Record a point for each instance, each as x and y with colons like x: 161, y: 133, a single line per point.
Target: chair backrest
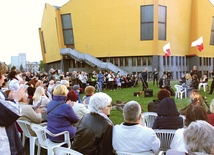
x: 178, y: 88
x: 148, y: 118
x: 165, y: 137
x: 42, y: 132
x: 65, y: 151
x: 140, y: 153
x: 25, y: 125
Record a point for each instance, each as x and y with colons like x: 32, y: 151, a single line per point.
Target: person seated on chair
x: 60, y: 114
x: 126, y: 135
x: 168, y: 115
x: 198, y: 138
x: 79, y: 108
x: 182, y: 80
x: 163, y: 93
x: 94, y: 132
x: 193, y: 113
x: 29, y: 114
x: 203, y: 83
x: 89, y: 91
x: 195, y: 82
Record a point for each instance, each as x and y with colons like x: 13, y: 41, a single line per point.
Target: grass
x: 127, y: 94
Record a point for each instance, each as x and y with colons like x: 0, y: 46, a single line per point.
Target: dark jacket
x: 94, y: 135
x: 168, y: 115
x: 195, y: 83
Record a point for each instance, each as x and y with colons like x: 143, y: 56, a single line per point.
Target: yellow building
x: 128, y: 33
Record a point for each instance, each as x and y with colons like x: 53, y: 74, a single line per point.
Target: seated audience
x: 193, y: 113
x: 168, y: 115
x: 76, y: 89
x: 13, y: 82
x: 163, y: 93
x: 195, y: 82
x: 40, y: 100
x: 94, y: 132
x: 29, y: 114
x: 182, y: 80
x: 131, y: 136
x: 89, y: 91
x: 198, y: 137
x: 211, y: 115
x: 79, y: 108
x: 60, y: 115
x: 203, y: 83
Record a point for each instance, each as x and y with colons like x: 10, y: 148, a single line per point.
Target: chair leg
x: 23, y: 139
x: 38, y: 149
x: 32, y: 146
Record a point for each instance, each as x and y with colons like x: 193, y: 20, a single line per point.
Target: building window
x: 126, y: 61
x: 43, y: 41
x: 161, y: 22
x: 144, y: 61
x: 147, y: 22
x: 172, y: 60
x: 139, y: 61
x: 200, y: 61
x: 67, y: 29
x: 134, y: 61
x: 116, y: 61
x: 121, y: 62
x: 149, y: 61
x: 212, y: 33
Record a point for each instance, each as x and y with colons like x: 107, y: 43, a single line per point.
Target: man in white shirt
x: 131, y: 136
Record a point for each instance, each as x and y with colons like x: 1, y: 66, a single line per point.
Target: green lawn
x: 127, y: 94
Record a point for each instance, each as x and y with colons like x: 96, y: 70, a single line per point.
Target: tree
x: 41, y: 65
x: 21, y: 68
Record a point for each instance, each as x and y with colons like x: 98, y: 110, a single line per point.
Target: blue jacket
x: 61, y: 118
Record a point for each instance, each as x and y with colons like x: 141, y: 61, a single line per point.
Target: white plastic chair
x: 25, y: 125
x: 45, y: 142
x: 65, y: 151
x: 140, y: 153
x: 148, y: 118
x: 179, y: 91
x: 165, y: 137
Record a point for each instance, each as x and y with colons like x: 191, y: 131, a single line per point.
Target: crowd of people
x: 55, y: 98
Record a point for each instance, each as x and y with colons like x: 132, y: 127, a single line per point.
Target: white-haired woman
x: 198, y: 138
x: 94, y: 132
x: 40, y: 100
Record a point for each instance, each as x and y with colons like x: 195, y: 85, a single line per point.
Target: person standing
x: 100, y: 80
x: 155, y: 77
x: 111, y: 80
x: 212, y: 84
x: 144, y: 78
x: 195, y: 71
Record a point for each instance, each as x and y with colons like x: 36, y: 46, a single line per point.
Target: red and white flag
x: 199, y: 43
x: 167, y: 50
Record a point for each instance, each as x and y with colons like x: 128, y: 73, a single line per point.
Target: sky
x: 20, y: 21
